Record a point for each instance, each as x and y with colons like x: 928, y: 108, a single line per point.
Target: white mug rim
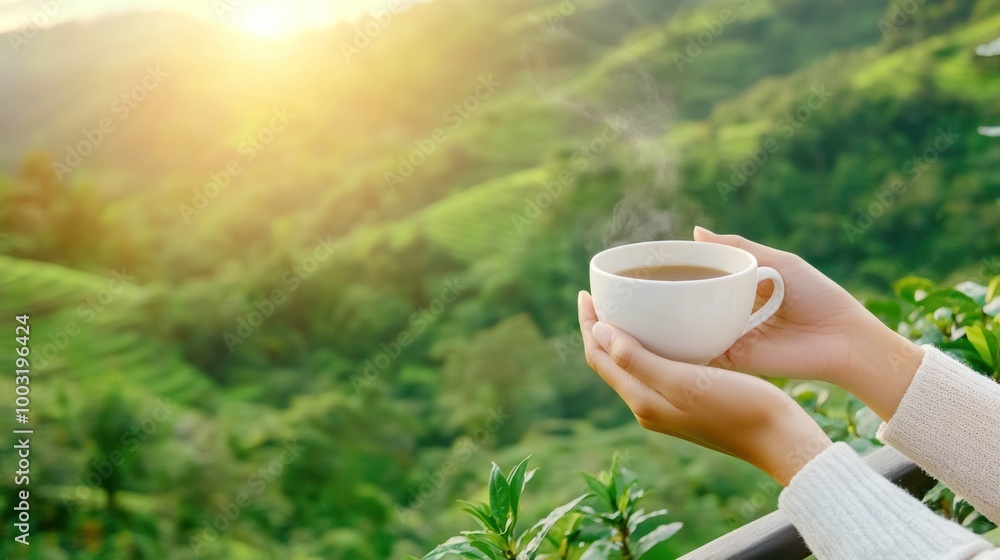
x: 750, y: 267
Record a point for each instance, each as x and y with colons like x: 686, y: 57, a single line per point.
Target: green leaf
x: 599, y: 488
x: 935, y: 494
x: 968, y: 356
x: 599, y: 550
x: 853, y: 405
x: 867, y: 423
x: 992, y: 308
x: 974, y: 290
x: 515, y: 481
x: 985, y: 343
x: 487, y: 549
x: 488, y: 543
x: 978, y: 524
x: 456, y: 545
x: 542, y: 528
x: 527, y: 477
x: 863, y: 446
x: 499, y: 497
x: 911, y: 288
x: 590, y: 532
x: 810, y: 395
x: 487, y: 537
x: 640, y: 517
x: 955, y: 300
x: 481, y: 512
x: 612, y: 488
x: 993, y: 537
x: 571, y: 528
x: 993, y: 289
x: 624, y: 498
x: 636, y: 494
x: 655, y: 537
x: 888, y: 311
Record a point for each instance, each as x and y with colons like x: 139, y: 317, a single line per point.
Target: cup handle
x: 772, y: 304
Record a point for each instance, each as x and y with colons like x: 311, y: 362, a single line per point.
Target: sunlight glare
x: 269, y: 20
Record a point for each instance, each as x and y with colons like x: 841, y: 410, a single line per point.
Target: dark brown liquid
x: 674, y: 272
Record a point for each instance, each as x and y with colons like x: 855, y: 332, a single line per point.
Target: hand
x: 734, y: 413
x: 820, y: 332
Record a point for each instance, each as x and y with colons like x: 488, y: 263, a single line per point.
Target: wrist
x: 791, y: 444
x: 883, y: 364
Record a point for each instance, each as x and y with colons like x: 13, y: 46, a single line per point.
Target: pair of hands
x: 820, y: 332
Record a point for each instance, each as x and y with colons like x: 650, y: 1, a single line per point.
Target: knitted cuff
x: 845, y: 510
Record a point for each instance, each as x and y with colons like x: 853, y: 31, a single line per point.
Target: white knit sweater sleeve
x: 846, y: 511
x: 948, y: 422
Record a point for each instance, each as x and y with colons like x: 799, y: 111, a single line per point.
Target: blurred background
x: 297, y: 271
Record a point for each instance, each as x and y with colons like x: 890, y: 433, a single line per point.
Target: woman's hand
x: 820, y: 332
x: 736, y: 414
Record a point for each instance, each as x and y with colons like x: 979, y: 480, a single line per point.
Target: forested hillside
x: 361, y: 252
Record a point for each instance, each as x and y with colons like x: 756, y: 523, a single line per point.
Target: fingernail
x: 603, y: 334
x: 579, y: 298
x: 700, y: 229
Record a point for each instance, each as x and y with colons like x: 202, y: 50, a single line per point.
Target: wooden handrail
x: 772, y: 537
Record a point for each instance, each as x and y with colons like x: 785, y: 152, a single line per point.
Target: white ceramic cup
x: 691, y: 321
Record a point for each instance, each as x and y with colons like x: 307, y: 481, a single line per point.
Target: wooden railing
x: 772, y: 537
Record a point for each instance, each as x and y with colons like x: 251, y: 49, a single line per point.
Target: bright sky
x: 259, y: 17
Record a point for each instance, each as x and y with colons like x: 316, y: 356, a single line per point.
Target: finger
x: 667, y: 377
x: 640, y: 398
x: 766, y: 256
x: 585, y: 305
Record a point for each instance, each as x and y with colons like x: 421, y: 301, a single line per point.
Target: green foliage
x: 961, y: 320
x: 568, y: 532
x: 617, y: 496
x: 943, y: 501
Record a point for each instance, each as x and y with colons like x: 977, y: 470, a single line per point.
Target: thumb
x: 766, y: 256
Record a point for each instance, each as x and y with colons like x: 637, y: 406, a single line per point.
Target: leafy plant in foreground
x: 569, y: 532
x: 618, y: 495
